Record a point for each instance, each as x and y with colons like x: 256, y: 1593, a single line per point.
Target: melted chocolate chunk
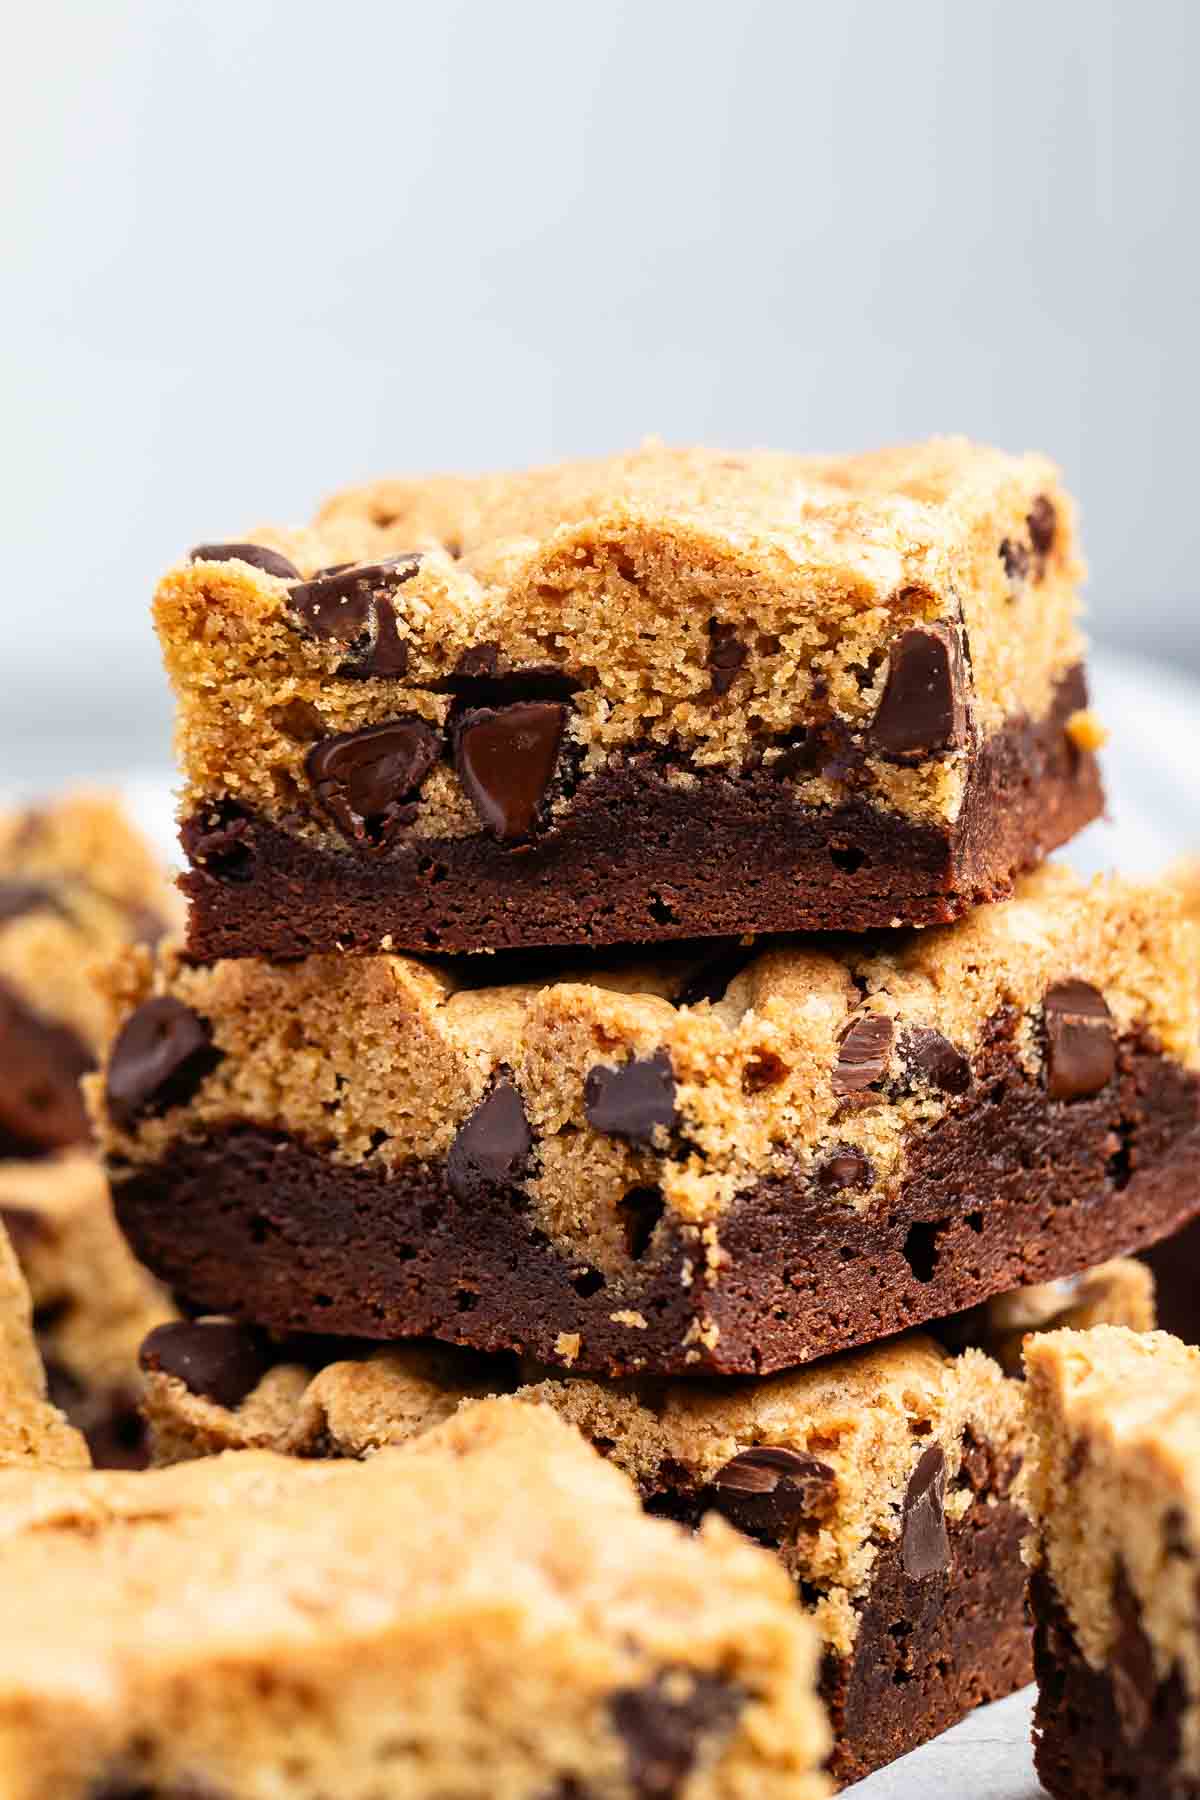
x: 257, y: 555
x: 923, y: 710
x: 215, y: 1358
x: 928, y: 1056
x: 41, y: 1107
x: 493, y: 1145
x: 631, y: 1102
x: 1015, y: 557
x: 20, y: 897
x: 478, y: 662
x: 767, y: 1491
x: 222, y: 843
x: 924, y: 1544
x: 864, y: 1051
x: 162, y: 1055
x: 505, y: 759
x: 727, y: 654
x: 846, y: 1168
x: 664, y: 1724
x: 351, y: 604
x: 1042, y: 520
x: 1081, y: 1051
x: 368, y: 781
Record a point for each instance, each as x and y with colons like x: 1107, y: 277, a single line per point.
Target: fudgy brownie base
x: 641, y: 856
x: 1080, y: 1749
x: 1010, y: 1190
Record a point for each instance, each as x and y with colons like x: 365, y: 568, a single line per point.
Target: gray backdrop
x: 257, y: 249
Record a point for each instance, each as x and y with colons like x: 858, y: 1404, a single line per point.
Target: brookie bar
x: 733, y: 1160
x: 672, y: 694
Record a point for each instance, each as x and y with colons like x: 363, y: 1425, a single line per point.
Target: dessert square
x: 33, y: 1433
x: 93, y: 1304
x: 486, y: 1613
x: 668, y: 694
x: 1114, y: 1492
x: 883, y: 1480
x: 733, y: 1159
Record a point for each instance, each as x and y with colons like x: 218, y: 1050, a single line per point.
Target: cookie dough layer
x: 537, y: 709
x: 1114, y: 1492
x: 611, y: 1172
x: 883, y: 1480
x: 486, y: 1613
x: 93, y: 1304
x: 77, y: 884
x: 33, y: 1433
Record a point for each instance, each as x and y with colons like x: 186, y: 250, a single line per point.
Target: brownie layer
x: 1011, y: 1189
x: 1176, y: 1268
x: 642, y: 855
x: 1080, y: 1747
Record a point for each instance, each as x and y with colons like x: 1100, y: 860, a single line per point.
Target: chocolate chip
x: 163, y: 1052
x: 846, y: 1168
x: 928, y: 1056
x: 493, y: 1145
x: 710, y: 980
x: 726, y: 656
x: 478, y: 661
x: 368, y: 781
x: 20, y: 897
x: 351, y: 604
x: 864, y: 1051
x: 221, y: 843
x: 41, y: 1107
x: 257, y: 555
x: 215, y: 1358
x: 634, y: 1100
x: 924, y: 1544
x: 923, y: 709
x: 1015, y: 557
x: 1081, y: 1053
x: 664, y: 1724
x: 766, y: 1491
x: 1042, y: 520
x: 505, y: 760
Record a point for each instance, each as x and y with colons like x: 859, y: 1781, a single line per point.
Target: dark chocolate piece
x: 711, y: 980
x: 368, y: 781
x: 848, y: 1167
x: 351, y: 604
x: 216, y: 1358
x: 634, y: 1100
x: 928, y: 1056
x: 493, y: 1145
x: 506, y: 759
x: 665, y: 1724
x: 1015, y: 557
x: 221, y: 842
x: 162, y: 1055
x: 727, y: 654
x: 1042, y: 520
x: 923, y: 710
x: 257, y: 555
x: 924, y: 1545
x: 1081, y: 1053
x: 766, y: 1491
x: 864, y: 1051
x: 41, y: 1107
x: 735, y: 853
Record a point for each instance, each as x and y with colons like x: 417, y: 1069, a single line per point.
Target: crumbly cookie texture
x: 695, y: 601
x: 487, y: 1612
x: 1114, y: 1492
x: 93, y: 1302
x: 627, y: 1082
x: 33, y: 1434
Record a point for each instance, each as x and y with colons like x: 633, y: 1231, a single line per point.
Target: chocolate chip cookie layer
x: 1114, y: 1490
x: 672, y: 694
x: 487, y: 1613
x: 882, y: 1479
x: 77, y: 884
x: 33, y: 1433
x: 671, y: 1164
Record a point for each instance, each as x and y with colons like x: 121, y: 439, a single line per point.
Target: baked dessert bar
x: 1120, y: 1292
x: 33, y: 1433
x: 1114, y: 1490
x: 671, y: 694
x: 77, y: 883
x: 486, y: 1613
x: 93, y: 1304
x: 733, y: 1161
x: 883, y: 1480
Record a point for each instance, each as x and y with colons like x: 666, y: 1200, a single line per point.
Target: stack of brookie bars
x: 626, y: 1088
